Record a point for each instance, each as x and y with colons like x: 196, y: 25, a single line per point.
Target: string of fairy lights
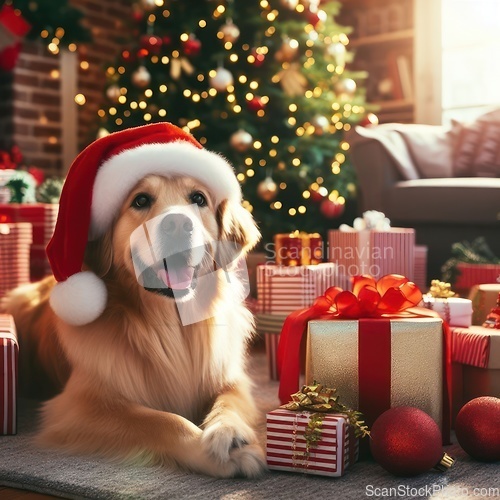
x: 220, y: 80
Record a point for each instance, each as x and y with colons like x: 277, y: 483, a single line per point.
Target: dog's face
x: 168, y: 234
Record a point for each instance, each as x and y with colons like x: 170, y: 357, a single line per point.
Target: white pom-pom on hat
x: 80, y: 299
x: 98, y: 182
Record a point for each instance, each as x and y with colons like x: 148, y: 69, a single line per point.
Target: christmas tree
x: 264, y: 82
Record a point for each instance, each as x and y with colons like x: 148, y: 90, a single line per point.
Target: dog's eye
x: 198, y: 198
x: 141, y: 201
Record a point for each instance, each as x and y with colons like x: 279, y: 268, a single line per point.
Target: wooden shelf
x: 382, y: 38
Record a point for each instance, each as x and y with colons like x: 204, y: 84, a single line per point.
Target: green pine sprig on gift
x: 475, y: 252
x: 22, y: 187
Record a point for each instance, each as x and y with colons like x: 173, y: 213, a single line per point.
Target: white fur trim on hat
x: 80, y: 299
x: 120, y: 173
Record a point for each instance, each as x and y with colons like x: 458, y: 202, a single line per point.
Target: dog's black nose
x: 177, y: 225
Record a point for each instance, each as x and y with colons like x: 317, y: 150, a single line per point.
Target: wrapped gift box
x: 284, y: 289
x: 381, y: 363
x: 476, y: 359
x: 454, y: 310
x: 15, y: 243
x: 269, y: 326
x: 9, y: 351
x: 43, y: 217
x: 484, y: 299
x: 476, y: 274
x: 373, y: 252
x: 286, y: 445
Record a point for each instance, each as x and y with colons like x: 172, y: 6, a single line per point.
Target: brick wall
x: 31, y: 99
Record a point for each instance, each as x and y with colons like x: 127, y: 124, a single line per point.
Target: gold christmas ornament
x: 241, y: 141
x: 288, y: 50
x: 230, y: 31
x: 320, y: 124
x: 337, y: 51
x: 267, y: 189
x: 113, y: 92
x: 141, y: 77
x: 345, y: 88
x: 222, y: 79
x: 148, y: 5
x: 289, y: 4
x: 292, y: 81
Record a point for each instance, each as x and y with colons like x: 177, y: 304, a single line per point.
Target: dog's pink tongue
x: 177, y: 279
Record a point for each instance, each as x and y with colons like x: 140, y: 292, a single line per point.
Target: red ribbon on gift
x: 392, y: 296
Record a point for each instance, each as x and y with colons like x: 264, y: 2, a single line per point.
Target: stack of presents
x: 26, y: 227
x: 378, y: 340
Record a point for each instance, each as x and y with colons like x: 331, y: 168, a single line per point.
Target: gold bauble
x: 267, y: 189
x: 320, y: 124
x: 345, y: 88
x: 241, y: 140
x: 230, y: 32
x: 113, y: 92
x: 141, y: 77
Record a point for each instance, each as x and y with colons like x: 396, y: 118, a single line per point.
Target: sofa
x: 443, y: 181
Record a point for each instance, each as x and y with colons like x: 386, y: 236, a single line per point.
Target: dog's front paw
x: 232, y: 445
x: 225, y: 433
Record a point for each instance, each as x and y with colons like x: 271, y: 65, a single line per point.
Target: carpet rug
x: 26, y: 467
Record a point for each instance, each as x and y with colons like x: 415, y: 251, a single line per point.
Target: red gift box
x: 8, y: 375
x: 15, y: 242
x: 43, y: 217
x: 476, y: 274
x: 286, y: 445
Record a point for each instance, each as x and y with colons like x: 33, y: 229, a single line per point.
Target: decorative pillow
x: 477, y: 147
x: 430, y: 147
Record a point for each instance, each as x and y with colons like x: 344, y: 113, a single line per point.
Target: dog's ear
x: 99, y: 254
x: 237, y: 225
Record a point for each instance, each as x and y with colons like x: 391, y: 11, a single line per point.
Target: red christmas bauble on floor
x: 331, y: 209
x: 406, y: 441
x: 478, y: 428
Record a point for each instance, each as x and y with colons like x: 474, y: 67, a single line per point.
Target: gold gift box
x: 416, y: 361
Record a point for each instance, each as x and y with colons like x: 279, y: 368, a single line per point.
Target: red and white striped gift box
x: 15, y: 243
x: 43, y: 217
x: 373, y: 252
x: 286, y: 444
x: 284, y: 289
x: 8, y: 375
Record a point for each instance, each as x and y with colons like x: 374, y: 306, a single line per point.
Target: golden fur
x: 136, y: 383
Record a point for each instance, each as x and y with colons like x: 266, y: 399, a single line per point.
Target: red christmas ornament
x: 258, y: 58
x: 314, y: 17
x: 331, y: 209
x: 369, y: 119
x: 192, y: 46
x: 316, y: 196
x: 255, y: 104
x: 142, y: 53
x: 166, y: 39
x: 137, y: 15
x: 151, y: 43
x: 127, y: 56
x: 406, y: 441
x: 478, y: 428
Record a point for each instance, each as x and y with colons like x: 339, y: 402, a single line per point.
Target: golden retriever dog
x: 139, y: 382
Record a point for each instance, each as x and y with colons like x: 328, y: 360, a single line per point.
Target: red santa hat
x: 100, y: 179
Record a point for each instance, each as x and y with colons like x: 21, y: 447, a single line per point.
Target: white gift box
x: 454, y: 310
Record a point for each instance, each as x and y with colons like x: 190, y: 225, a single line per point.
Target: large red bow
x: 392, y: 294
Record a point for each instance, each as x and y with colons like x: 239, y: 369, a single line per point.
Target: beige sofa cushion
x: 445, y: 200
